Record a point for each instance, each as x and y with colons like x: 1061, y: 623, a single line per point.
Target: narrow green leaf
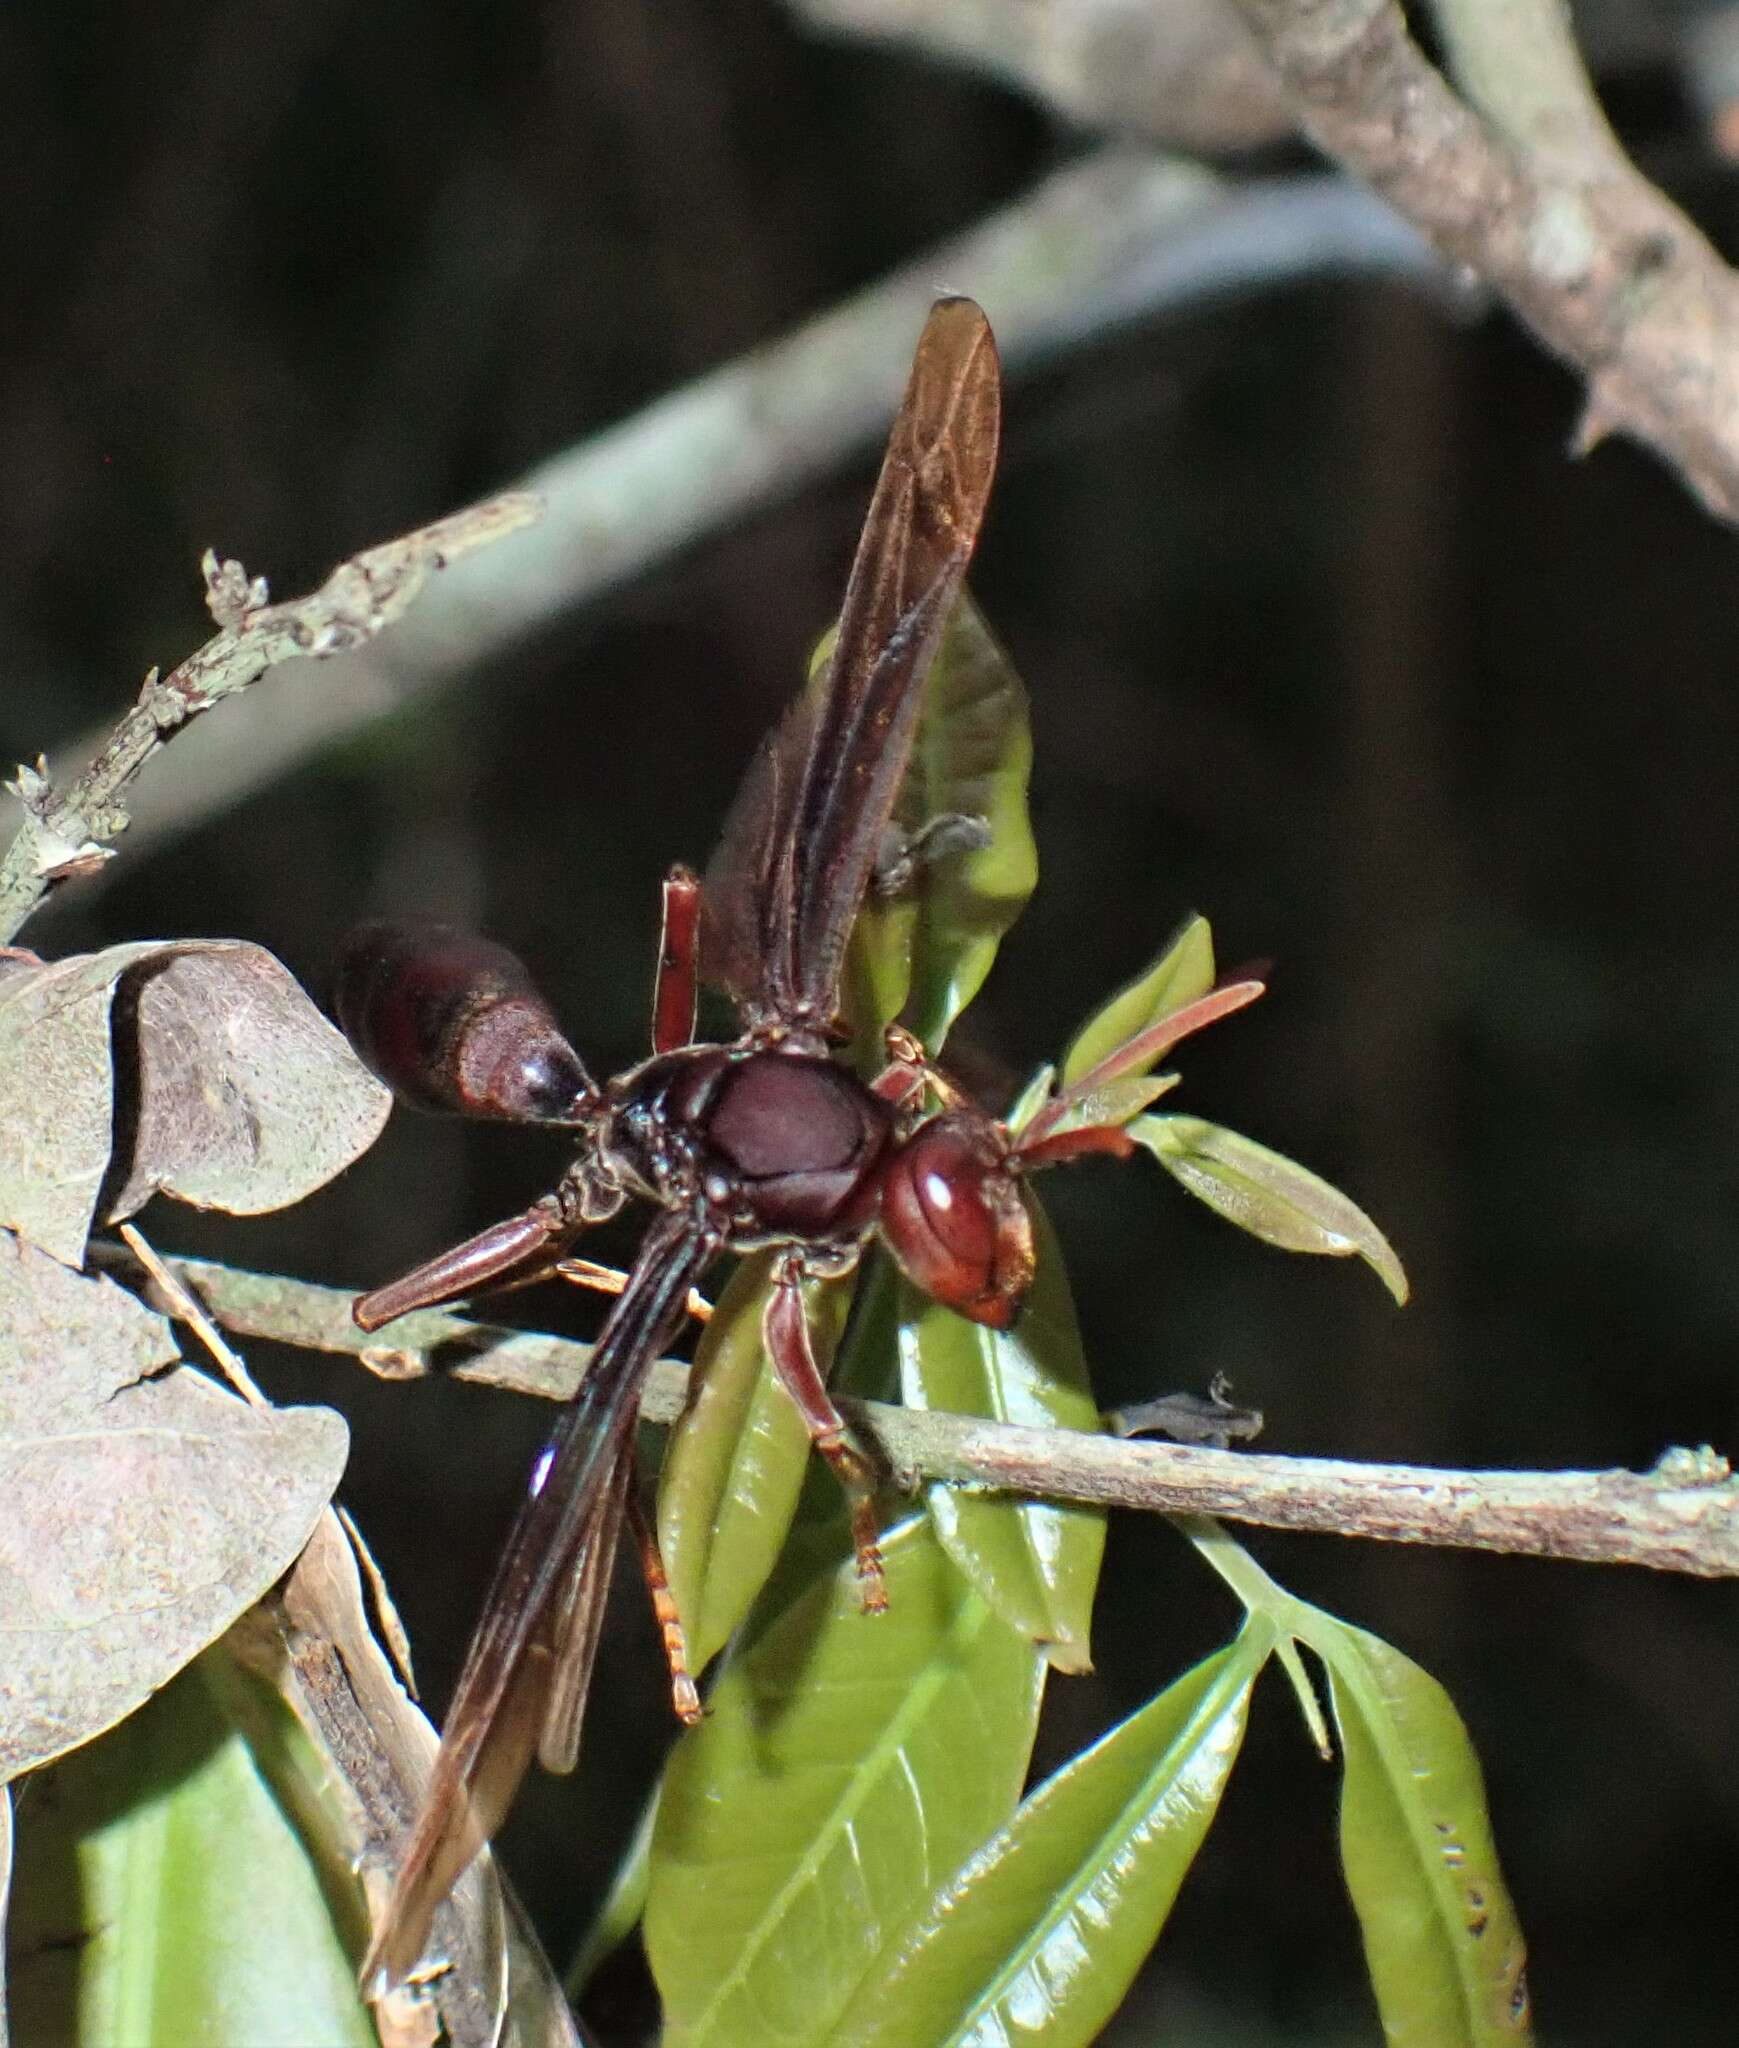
x: 5, y: 1895
x: 735, y: 1462
x: 1444, y: 1948
x: 1031, y: 1099
x: 1039, y: 1935
x: 1182, y: 972
x: 848, y: 1763
x: 163, y: 1896
x: 1112, y: 1102
x: 924, y: 952
x: 1265, y: 1193
x: 1263, y: 1597
x: 620, y: 1911
x: 1442, y: 1942
x: 1036, y: 1562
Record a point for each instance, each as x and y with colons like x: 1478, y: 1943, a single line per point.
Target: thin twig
x: 68, y: 832
x: 1117, y: 237
x: 1682, y: 1516
x: 187, y: 1307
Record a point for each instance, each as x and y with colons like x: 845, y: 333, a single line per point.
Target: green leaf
x: 1031, y: 1099
x: 1182, y: 972
x: 1036, y: 1562
x: 5, y: 1899
x: 847, y: 1764
x: 1444, y: 1948
x: 925, y: 952
x: 163, y: 1896
x: 1039, y: 1935
x: 1267, y: 1194
x: 1445, y: 1951
x: 736, y: 1461
x: 621, y: 1909
x: 1112, y: 1102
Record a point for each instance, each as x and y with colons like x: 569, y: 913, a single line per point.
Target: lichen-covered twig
x: 68, y: 832
x: 1116, y: 236
x: 1682, y: 1516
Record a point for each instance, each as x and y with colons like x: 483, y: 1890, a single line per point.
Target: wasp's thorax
x: 775, y: 1145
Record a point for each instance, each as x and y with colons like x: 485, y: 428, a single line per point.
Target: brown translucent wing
x: 578, y: 1622
x: 795, y: 856
x: 525, y: 1671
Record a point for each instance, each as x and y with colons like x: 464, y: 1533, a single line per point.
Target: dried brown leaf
x: 241, y: 1095
x: 145, y: 1508
x: 247, y: 1098
x: 313, y: 1642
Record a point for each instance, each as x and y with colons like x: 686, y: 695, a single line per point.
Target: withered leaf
x: 144, y: 1508
x: 239, y: 1095
x: 312, y: 1642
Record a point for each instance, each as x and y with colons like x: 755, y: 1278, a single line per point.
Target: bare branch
x: 1109, y: 240
x: 1521, y: 180
x: 1182, y: 74
x: 1601, y: 266
x: 1682, y: 1516
x: 67, y: 833
x: 1520, y: 67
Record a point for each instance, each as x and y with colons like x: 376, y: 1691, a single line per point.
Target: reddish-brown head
x: 954, y: 1219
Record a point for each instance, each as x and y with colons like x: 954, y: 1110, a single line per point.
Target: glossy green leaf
x: 620, y: 1910
x: 1182, y: 972
x: 924, y: 952
x: 1031, y: 1099
x: 1036, y: 1562
x: 735, y: 1462
x: 1112, y: 1102
x: 1040, y: 1933
x: 1267, y: 1194
x: 1442, y: 1942
x: 1445, y: 1951
x: 848, y: 1764
x: 164, y: 1898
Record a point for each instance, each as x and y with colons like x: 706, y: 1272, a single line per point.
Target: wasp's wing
x: 578, y: 1621
x: 542, y: 1607
x: 798, y: 845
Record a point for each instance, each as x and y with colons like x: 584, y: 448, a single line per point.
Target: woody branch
x: 1681, y: 1516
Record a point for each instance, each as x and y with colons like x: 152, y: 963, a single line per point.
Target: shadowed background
x: 1326, y: 637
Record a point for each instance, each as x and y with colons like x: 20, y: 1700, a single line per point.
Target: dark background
x: 1326, y: 636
